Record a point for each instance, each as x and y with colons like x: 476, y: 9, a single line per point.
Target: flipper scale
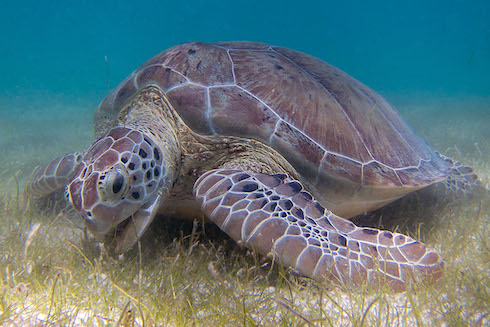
x: 53, y: 176
x: 279, y: 216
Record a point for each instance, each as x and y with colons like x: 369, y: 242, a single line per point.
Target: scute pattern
x: 157, y: 74
x: 192, y: 103
x: 236, y: 112
x: 297, y: 99
x: 312, y: 105
x: 361, y: 105
x: 275, y: 214
x: 196, y: 61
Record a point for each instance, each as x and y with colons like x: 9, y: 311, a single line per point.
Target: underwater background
x: 57, y: 49
x: 59, y: 59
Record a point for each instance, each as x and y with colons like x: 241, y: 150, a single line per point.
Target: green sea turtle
x: 272, y: 145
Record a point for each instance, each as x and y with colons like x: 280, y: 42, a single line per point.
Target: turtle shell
x: 335, y: 131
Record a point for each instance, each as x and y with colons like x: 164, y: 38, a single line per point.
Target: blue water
x: 59, y: 59
x: 57, y: 49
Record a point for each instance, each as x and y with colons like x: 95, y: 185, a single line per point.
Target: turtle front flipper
x: 54, y: 176
x: 275, y: 214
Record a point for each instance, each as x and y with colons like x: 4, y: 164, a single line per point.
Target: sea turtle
x: 272, y: 145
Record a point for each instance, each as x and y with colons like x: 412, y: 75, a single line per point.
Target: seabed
x: 51, y: 274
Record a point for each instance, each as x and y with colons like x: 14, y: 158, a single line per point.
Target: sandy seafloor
x: 32, y: 133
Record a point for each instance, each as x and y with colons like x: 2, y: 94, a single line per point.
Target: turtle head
x: 118, y: 186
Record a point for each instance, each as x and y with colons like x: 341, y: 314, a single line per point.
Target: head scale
x: 119, y: 174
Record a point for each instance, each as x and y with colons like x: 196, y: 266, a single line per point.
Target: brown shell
x: 320, y: 119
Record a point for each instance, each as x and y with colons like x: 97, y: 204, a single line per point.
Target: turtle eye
x: 118, y: 183
x: 113, y: 185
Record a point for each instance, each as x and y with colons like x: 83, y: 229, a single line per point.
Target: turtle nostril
x: 118, y: 183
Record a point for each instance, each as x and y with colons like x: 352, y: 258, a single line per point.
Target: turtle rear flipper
x: 461, y: 179
x: 274, y: 214
x: 53, y: 177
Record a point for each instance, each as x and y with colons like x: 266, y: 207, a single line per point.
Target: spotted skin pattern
x: 118, y: 174
x: 275, y: 214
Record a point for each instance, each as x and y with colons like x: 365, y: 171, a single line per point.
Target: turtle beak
x: 130, y: 230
